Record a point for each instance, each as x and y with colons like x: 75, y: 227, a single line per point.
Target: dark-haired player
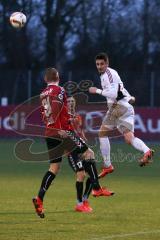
x: 77, y: 123
x: 120, y: 114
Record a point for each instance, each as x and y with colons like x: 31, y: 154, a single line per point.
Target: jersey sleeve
x: 112, y: 89
x: 127, y: 94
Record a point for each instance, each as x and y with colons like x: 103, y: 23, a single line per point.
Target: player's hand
x: 62, y: 133
x: 92, y: 90
x: 132, y: 100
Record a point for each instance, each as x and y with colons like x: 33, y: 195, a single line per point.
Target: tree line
x: 62, y: 31
x: 69, y: 33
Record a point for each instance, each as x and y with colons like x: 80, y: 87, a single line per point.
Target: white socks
x: 105, y: 150
x: 139, y: 145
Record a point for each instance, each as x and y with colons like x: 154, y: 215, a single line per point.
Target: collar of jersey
x: 49, y: 84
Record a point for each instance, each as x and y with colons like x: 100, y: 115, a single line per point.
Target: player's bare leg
x: 90, y: 168
x: 77, y: 165
x: 141, y: 146
x: 105, y: 151
x: 46, y: 182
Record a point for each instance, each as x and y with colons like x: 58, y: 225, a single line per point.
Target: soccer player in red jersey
x: 60, y: 134
x: 77, y: 123
x: 76, y: 119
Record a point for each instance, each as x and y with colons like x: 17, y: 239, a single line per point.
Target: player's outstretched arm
x: 110, y: 92
x: 93, y: 90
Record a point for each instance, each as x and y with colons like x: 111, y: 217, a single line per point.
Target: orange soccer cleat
x: 102, y: 192
x: 105, y: 171
x: 87, y: 205
x: 38, y: 204
x: 147, y: 158
x: 82, y: 208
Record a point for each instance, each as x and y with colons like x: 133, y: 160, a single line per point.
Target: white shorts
x: 120, y: 117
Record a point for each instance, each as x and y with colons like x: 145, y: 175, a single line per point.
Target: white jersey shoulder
x: 109, y: 78
x: 113, y: 71
x: 111, y: 82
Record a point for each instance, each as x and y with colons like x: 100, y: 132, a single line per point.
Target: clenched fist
x: 92, y: 90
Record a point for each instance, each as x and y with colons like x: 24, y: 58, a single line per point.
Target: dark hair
x: 51, y: 74
x: 71, y: 96
x: 102, y: 56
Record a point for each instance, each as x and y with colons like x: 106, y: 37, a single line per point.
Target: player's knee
x: 100, y: 134
x: 88, y: 164
x: 103, y: 132
x: 89, y: 154
x: 54, y: 168
x: 128, y: 138
x: 80, y: 176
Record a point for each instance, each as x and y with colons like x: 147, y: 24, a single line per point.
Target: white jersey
x: 111, y: 83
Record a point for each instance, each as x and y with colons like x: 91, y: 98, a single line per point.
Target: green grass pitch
x: 133, y: 213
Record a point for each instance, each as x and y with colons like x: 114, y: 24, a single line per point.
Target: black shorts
x: 80, y: 145
x: 74, y: 145
x: 52, y: 143
x: 75, y: 163
x: 74, y: 158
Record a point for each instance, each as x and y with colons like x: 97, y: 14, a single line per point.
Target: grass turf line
x: 134, y: 208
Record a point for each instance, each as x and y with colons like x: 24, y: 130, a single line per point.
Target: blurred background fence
x: 19, y: 85
x: 68, y: 34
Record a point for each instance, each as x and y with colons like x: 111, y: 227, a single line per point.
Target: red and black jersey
x: 64, y: 116
x: 76, y: 122
x: 54, y: 109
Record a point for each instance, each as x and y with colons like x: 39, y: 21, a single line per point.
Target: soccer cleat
x: 147, y: 158
x: 87, y: 205
x: 82, y: 208
x: 102, y: 192
x: 105, y: 171
x: 38, y: 204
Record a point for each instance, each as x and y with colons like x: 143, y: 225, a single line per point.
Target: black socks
x: 88, y: 188
x: 90, y: 168
x: 46, y: 182
x: 79, y: 188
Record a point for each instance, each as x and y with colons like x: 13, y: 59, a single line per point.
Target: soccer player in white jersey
x: 120, y: 114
